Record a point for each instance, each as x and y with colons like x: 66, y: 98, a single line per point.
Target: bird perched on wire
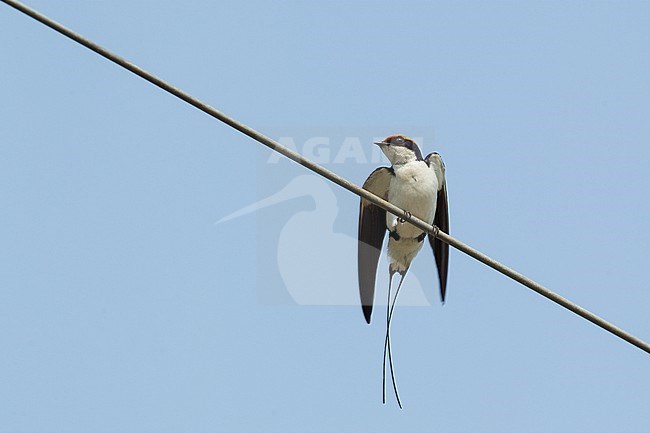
x: 418, y: 186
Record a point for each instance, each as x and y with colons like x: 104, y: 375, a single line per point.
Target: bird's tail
x: 390, y: 306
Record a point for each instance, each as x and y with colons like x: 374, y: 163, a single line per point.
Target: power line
x: 274, y: 145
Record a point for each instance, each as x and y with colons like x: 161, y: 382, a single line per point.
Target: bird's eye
x: 398, y: 140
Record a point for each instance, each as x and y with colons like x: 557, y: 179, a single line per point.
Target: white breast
x: 413, y: 188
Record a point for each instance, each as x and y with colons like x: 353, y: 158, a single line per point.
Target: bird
x: 418, y: 186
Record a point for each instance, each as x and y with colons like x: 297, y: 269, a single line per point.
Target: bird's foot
x: 402, y: 220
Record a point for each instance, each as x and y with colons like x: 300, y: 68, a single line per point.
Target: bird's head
x: 400, y: 149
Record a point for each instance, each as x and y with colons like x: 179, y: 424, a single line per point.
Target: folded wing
x: 441, y: 220
x: 372, y: 230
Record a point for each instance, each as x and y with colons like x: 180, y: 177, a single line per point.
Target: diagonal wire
x: 261, y: 138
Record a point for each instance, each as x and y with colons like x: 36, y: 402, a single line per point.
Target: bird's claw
x: 402, y: 220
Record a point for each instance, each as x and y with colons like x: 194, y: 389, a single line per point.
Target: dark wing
x: 441, y: 220
x: 372, y: 230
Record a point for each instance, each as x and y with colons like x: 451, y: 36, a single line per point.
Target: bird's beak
x: 380, y: 143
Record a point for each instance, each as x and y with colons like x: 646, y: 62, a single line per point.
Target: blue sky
x: 124, y: 307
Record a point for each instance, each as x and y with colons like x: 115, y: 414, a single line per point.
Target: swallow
x: 418, y: 186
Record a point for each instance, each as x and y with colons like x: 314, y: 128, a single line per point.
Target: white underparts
x: 413, y: 188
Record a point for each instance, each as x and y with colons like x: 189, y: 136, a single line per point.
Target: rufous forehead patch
x: 389, y: 138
